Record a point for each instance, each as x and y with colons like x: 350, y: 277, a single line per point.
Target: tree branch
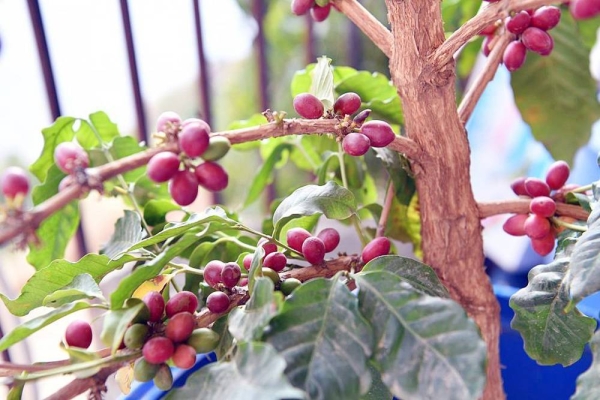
x: 29, y: 221
x: 521, y: 206
x: 488, y: 14
x: 81, y: 385
x: 474, y: 92
x: 367, y: 23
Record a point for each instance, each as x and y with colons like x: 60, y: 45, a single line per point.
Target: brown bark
x: 451, y: 228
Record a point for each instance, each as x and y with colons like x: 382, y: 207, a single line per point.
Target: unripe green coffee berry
x: 135, y: 336
x: 164, y: 378
x: 271, y: 274
x: 288, y: 285
x: 143, y: 371
x: 217, y: 148
x: 203, y: 340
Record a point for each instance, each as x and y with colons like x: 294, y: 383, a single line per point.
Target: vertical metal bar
x: 51, y: 92
x: 44, y: 54
x: 205, y: 105
x: 133, y: 71
x: 258, y: 11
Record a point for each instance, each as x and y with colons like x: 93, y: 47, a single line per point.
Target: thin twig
x: 487, y: 73
x: 367, y: 23
x: 10, y: 369
x: 31, y: 220
x: 521, y: 206
x: 387, y: 206
x: 487, y: 15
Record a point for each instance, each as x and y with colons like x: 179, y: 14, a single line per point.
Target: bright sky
x: 90, y: 61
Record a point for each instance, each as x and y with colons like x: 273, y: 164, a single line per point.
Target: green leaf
x: 247, y: 323
x: 331, y: 199
x: 584, y: 271
x: 174, y: 229
x: 54, y: 233
x: 83, y: 286
x: 101, y: 127
x: 225, y: 339
x: 30, y: 327
x: 420, y: 276
x: 551, y: 334
x: 107, y: 129
x: 398, y: 170
x: 255, y: 373
x: 149, y: 270
x: 128, y: 231
x: 302, y: 80
x: 322, y: 82
x: 427, y: 347
x: 323, y: 336
x: 263, y: 177
x: 156, y: 211
x: 78, y: 355
x: 49, y: 188
x: 56, y: 276
x: 378, y: 390
x: 587, y: 383
x: 255, y: 268
x: 116, y: 323
x: 60, y: 131
x: 16, y: 391
x: 376, y: 92
x: 568, y: 89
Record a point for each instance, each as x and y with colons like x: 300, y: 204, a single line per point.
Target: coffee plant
x: 286, y: 313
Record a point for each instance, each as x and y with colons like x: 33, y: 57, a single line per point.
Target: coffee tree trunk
x: 451, y: 228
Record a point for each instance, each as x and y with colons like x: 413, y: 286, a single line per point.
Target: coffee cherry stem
x: 582, y: 189
x: 387, y: 206
x: 568, y: 225
x: 269, y: 238
x: 225, y: 238
x: 354, y: 217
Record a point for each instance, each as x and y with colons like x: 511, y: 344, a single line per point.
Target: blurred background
x: 221, y: 60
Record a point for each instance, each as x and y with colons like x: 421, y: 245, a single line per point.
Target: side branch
x: 474, y: 92
x: 492, y: 12
x: 367, y: 23
x: 81, y: 385
x: 29, y: 221
x: 521, y: 206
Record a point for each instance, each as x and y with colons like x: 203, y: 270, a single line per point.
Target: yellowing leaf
x: 124, y: 378
x: 155, y: 284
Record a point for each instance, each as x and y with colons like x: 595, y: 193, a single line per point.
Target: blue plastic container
x: 523, y: 378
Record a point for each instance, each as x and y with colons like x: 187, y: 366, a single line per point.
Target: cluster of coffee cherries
x: 544, y: 194
x: 224, y: 277
x: 14, y: 184
x: 317, y: 12
x: 371, y: 134
x: 166, y: 332
x: 531, y: 29
x: 180, y: 170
